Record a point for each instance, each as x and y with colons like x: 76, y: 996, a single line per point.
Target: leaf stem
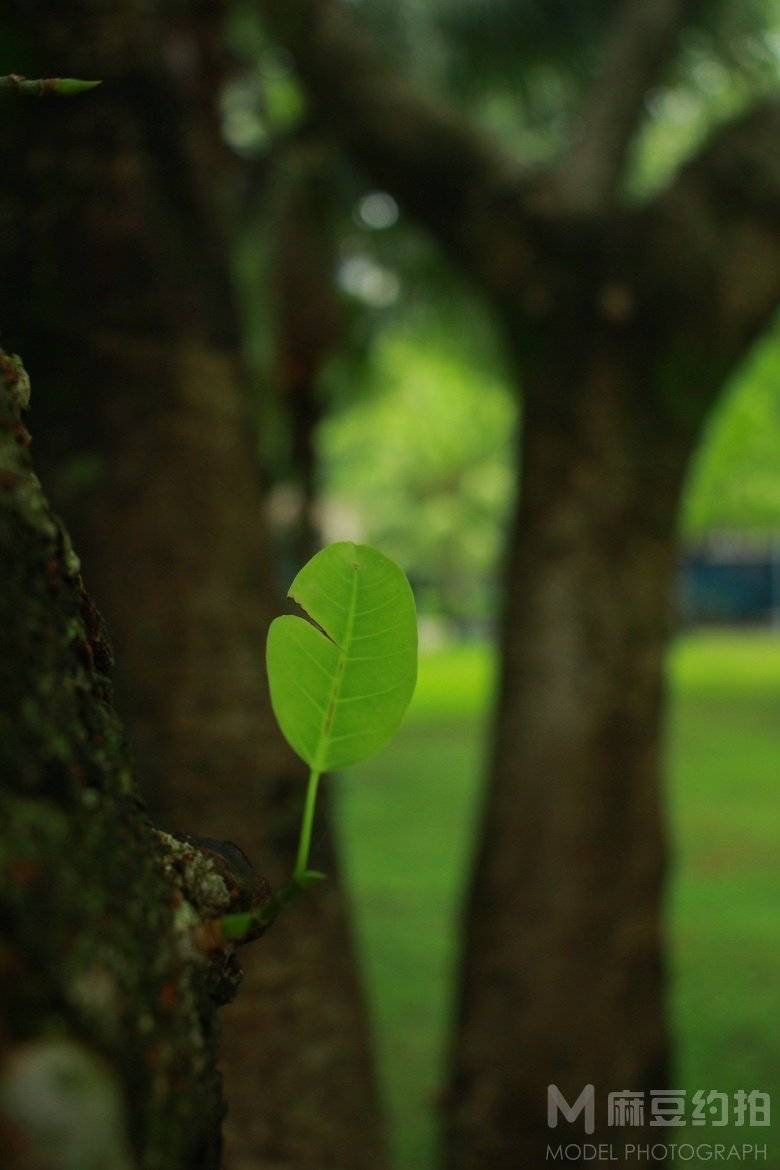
x: 304, y: 841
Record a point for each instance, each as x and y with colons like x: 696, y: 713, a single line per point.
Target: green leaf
x: 340, y: 691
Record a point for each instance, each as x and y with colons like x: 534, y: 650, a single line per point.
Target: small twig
x: 44, y: 86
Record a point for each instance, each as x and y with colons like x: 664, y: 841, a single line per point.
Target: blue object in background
x: 730, y: 584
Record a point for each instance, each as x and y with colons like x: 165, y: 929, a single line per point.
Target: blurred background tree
x: 625, y: 292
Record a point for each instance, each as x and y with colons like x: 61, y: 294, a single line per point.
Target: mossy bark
x: 107, y: 1008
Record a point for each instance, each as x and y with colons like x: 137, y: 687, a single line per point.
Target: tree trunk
x: 307, y: 324
x: 119, y: 282
x: 107, y: 1005
x: 298, y: 1077
x: 563, y: 980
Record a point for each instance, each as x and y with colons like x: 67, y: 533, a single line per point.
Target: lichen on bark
x: 107, y: 1009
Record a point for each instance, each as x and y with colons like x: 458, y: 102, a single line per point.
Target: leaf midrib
x: 330, y: 713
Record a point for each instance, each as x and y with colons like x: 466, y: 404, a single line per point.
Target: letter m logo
x: 585, y: 1103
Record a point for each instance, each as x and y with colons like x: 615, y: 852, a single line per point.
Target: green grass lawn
x: 406, y: 822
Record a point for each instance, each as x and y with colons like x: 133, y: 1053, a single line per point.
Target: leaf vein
x: 311, y: 698
x: 325, y: 738
x: 373, y: 694
x: 387, y: 601
x: 339, y: 604
x: 313, y: 657
x: 378, y: 633
x: 349, y: 735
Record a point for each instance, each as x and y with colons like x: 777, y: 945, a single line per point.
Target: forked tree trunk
x: 563, y: 981
x: 117, y: 279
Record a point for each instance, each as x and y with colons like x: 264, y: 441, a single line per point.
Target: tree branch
x: 639, y: 46
x: 717, y: 232
x: 44, y: 86
x: 441, y: 170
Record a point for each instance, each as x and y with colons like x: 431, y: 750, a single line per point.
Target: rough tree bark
x: 118, y: 287
x: 108, y: 1042
x: 623, y: 327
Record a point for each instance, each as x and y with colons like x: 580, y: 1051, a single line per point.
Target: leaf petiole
x: 238, y: 928
x: 304, y: 842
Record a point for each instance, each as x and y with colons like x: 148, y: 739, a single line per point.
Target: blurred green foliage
x: 423, y: 463
x: 735, y: 482
x: 520, y: 67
